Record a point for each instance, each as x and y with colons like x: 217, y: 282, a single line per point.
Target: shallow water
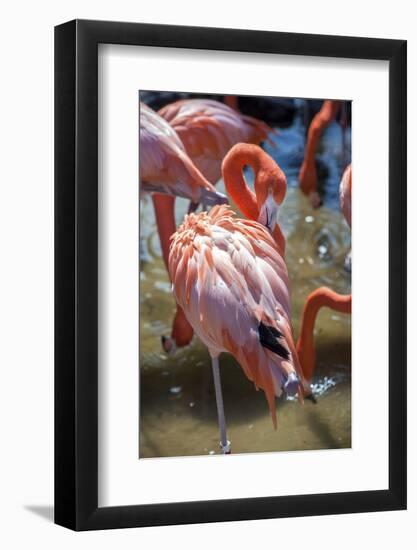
x: 178, y: 415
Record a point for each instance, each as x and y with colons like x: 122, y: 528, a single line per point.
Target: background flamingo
x: 230, y: 278
x: 167, y: 171
x: 345, y: 195
x: 165, y: 166
x: 323, y: 296
x: 308, y: 170
x: 208, y: 129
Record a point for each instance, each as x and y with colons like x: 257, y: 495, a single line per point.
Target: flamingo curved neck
x: 319, y: 123
x: 236, y: 186
x: 319, y: 298
x: 268, y: 178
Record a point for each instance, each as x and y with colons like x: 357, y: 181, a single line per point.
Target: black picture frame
x: 76, y: 271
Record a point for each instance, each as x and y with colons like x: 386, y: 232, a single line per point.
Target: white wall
x: 26, y: 299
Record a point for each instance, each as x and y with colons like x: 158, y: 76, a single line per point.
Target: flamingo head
x: 314, y: 199
x: 270, y: 190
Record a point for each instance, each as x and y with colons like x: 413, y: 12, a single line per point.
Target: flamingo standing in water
x: 167, y: 171
x: 208, y: 129
x: 323, y: 296
x: 230, y: 278
x: 308, y: 171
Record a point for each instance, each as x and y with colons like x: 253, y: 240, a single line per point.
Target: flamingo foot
x: 226, y: 449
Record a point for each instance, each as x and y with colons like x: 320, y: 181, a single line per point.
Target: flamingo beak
x: 315, y: 199
x: 268, y: 213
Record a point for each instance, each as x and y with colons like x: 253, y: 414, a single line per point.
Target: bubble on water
x: 309, y: 219
x: 322, y: 250
x: 175, y: 390
x: 191, y: 404
x: 321, y: 386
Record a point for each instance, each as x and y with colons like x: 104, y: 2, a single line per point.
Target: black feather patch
x: 268, y: 337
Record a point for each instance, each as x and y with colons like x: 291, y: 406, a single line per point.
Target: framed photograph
x: 230, y: 324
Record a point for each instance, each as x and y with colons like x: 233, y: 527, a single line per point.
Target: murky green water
x: 178, y: 415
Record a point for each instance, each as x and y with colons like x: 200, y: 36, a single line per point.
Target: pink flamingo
x: 230, y: 278
x: 208, y: 129
x: 308, y: 171
x: 167, y: 171
x: 165, y: 166
x: 345, y: 194
x: 323, y: 296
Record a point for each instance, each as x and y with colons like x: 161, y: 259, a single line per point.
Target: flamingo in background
x: 167, y: 171
x: 308, y: 171
x: 230, y: 278
x: 231, y: 101
x: 208, y: 129
x: 345, y: 195
x: 165, y: 166
x: 323, y: 296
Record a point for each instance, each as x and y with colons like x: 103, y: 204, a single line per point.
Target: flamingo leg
x: 182, y: 331
x: 224, y: 442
